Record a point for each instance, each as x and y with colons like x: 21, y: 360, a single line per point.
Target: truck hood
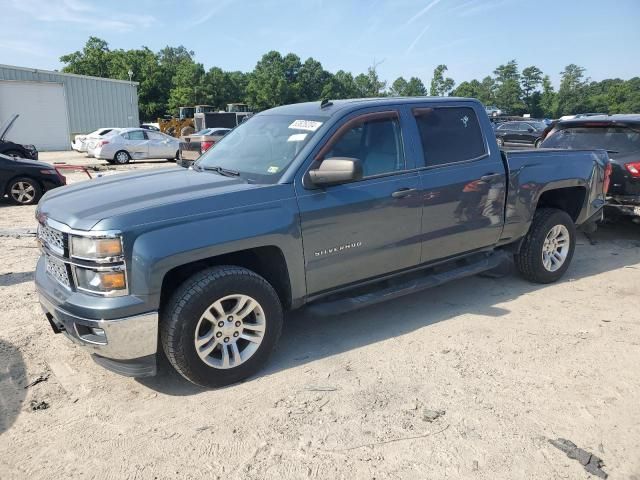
x: 129, y: 199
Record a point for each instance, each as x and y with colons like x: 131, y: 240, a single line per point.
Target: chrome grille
x: 53, y: 239
x: 57, y: 270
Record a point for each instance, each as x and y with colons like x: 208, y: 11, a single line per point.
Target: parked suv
x: 332, y: 205
x: 620, y: 136
x: 520, y: 133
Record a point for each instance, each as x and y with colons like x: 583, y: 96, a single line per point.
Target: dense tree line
x: 171, y: 78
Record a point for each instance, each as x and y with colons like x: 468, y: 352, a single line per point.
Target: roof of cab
x: 621, y: 118
x: 313, y: 108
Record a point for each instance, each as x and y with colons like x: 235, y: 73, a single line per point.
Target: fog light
x: 100, y: 281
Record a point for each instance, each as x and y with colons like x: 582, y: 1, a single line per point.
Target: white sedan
x: 135, y: 144
x: 81, y: 142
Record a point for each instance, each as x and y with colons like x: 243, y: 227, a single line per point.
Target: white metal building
x: 55, y: 106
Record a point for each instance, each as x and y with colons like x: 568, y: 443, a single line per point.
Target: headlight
x: 108, y: 281
x: 89, y: 248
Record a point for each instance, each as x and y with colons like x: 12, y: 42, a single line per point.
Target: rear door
x: 370, y: 227
x: 463, y: 182
x: 137, y: 143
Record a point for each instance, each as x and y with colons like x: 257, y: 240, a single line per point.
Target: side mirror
x: 336, y: 170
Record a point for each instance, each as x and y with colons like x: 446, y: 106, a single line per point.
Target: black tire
x: 180, y: 317
x: 529, y: 261
x: 121, y: 157
x: 500, y: 142
x: 537, y: 143
x: 24, y: 191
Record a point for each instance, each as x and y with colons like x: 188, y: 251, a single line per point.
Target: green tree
x: 548, y: 99
x: 340, y: 85
x: 92, y: 60
x: 440, y: 85
x: 508, y: 93
x: 413, y: 88
x: 187, y: 86
x: 273, y: 81
x: 530, y: 80
x: 311, y: 80
x: 369, y: 84
x: 572, y: 92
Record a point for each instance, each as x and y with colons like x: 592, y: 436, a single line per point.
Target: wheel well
x: 8, y: 184
x: 569, y: 199
x: 267, y: 262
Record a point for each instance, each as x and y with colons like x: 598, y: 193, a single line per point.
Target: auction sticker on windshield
x: 310, y: 125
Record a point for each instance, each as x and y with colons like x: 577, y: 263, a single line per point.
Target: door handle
x: 490, y: 176
x: 403, y: 192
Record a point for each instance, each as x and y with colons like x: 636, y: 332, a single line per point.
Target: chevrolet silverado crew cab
x: 334, y: 205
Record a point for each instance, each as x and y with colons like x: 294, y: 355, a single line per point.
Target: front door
x: 160, y: 146
x: 366, y: 228
x: 463, y: 183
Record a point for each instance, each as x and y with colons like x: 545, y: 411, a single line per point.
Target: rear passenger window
x: 449, y: 134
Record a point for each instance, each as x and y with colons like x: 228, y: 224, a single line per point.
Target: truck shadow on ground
x: 12, y: 379
x: 306, y: 337
x: 15, y: 278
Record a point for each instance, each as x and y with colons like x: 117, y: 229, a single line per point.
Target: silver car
x: 135, y: 144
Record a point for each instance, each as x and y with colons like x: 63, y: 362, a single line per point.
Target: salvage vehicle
x: 24, y: 181
x: 520, y: 133
x: 135, y: 144
x: 192, y: 146
x: 13, y: 149
x: 330, y: 205
x: 620, y: 136
x: 81, y: 142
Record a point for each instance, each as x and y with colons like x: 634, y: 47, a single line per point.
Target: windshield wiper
x: 222, y: 171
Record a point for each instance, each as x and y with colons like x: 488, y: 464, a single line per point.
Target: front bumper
x: 127, y: 346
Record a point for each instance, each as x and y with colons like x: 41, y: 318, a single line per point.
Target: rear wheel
x: 122, y: 157
x: 221, y: 325
x: 547, y: 249
x: 24, y: 191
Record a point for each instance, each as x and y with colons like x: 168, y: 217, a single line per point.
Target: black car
x: 25, y: 181
x: 619, y: 135
x: 521, y: 133
x: 15, y: 149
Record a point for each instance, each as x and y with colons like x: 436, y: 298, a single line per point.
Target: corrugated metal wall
x: 91, y: 102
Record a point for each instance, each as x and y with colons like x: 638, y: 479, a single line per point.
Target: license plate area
x: 57, y: 270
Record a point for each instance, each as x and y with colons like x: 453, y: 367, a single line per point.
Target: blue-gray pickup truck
x: 329, y: 205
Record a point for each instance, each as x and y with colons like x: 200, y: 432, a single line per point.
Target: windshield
x: 262, y: 147
x: 614, y: 139
x: 538, y: 125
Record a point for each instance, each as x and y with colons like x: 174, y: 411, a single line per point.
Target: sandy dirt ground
x: 468, y: 380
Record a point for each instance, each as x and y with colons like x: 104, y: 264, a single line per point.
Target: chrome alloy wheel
x: 230, y: 331
x: 23, y: 192
x: 555, y: 248
x: 122, y: 157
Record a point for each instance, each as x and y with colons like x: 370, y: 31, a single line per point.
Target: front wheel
x: 24, y: 191
x: 547, y: 249
x: 537, y: 143
x: 221, y: 325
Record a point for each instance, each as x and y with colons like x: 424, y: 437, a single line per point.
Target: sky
x: 402, y: 37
